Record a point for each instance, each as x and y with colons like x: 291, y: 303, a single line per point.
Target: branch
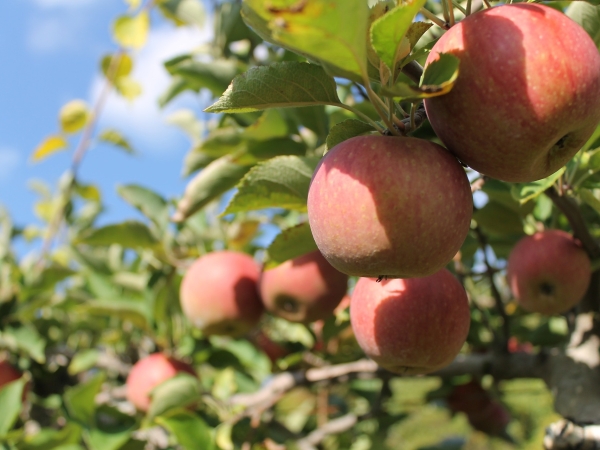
x: 334, y: 426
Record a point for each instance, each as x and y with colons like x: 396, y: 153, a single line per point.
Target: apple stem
x: 487, y: 4
x: 450, y: 13
x: 435, y: 19
x: 468, y: 11
x: 460, y: 8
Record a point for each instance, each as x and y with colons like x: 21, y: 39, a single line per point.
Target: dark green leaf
x: 80, y: 399
x: 290, y: 243
x: 346, y: 130
x: 214, y: 76
x: 189, y: 429
x: 284, y: 84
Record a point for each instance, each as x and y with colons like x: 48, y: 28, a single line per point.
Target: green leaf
x: 189, y: 429
x: 129, y: 234
x: 523, y: 192
x: 438, y: 79
x: 389, y: 31
x: 74, y: 116
x: 135, y: 312
x: 279, y: 182
x: 114, y: 137
x: 496, y: 218
x: 290, y: 243
x: 333, y: 32
x: 283, y: 84
x: 218, y: 177
x: 589, y: 197
x: 10, y: 399
x: 83, y: 360
x: 345, y: 130
x: 27, y: 339
x: 123, y: 64
x: 185, y: 120
x: 49, y: 146
x: 47, y: 438
x: 132, y: 31
x: 214, y: 76
x: 588, y: 16
x: 80, y: 399
x: 128, y: 88
x: 148, y: 202
x: 270, y: 125
x: 416, y: 31
x: 224, y: 385
x: 181, y: 390
x: 183, y: 12
x: 223, y: 436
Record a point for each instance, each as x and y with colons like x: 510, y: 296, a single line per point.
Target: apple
x: 148, y: 373
x: 303, y: 289
x: 548, y: 272
x: 219, y: 295
x: 527, y: 95
x: 411, y: 326
x: 382, y: 206
x: 8, y: 374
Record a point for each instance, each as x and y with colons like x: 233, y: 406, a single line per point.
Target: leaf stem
x: 451, y: 13
x: 468, y: 12
x: 435, y: 19
x: 363, y: 116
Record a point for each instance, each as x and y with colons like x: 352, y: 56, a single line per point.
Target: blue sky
x: 50, y: 51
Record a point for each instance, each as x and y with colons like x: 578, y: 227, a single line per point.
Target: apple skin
x: 548, y: 272
x: 393, y: 207
x: 527, y: 95
x: 8, y: 374
x: 411, y: 326
x: 148, y: 373
x: 304, y: 289
x: 219, y: 295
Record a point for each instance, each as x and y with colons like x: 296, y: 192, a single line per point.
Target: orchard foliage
x: 289, y: 80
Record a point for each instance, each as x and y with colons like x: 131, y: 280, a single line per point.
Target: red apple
x: 148, y: 373
x: 389, y: 206
x: 411, y: 326
x: 527, y: 95
x: 219, y: 295
x: 303, y: 289
x: 9, y: 374
x: 548, y: 272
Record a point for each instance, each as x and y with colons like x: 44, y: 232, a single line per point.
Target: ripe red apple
x: 303, y: 289
x: 389, y: 206
x: 148, y: 373
x: 548, y: 272
x: 219, y: 295
x: 411, y: 326
x: 9, y: 374
x: 527, y: 95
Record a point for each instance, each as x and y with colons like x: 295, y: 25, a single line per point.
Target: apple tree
x: 388, y: 239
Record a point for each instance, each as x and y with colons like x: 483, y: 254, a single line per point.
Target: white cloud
x: 10, y: 159
x: 142, y: 121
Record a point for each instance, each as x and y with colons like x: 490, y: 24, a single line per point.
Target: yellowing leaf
x: 132, y: 31
x: 133, y: 4
x: 50, y: 145
x: 74, y: 116
x: 116, y: 66
x: 128, y: 87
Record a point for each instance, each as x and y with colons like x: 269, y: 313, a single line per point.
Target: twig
x: 413, y: 71
x: 334, y: 426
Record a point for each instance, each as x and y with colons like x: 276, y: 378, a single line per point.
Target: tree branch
x: 565, y: 435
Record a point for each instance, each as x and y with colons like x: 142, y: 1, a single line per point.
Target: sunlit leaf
x: 290, y: 243
x: 132, y: 31
x: 279, y: 182
x: 148, y: 202
x: 114, y: 137
x: 116, y: 66
x: 346, y: 130
x: 128, y: 87
x: 284, y: 84
x: 129, y: 234
x: 189, y: 429
x: 183, y: 11
x: 49, y: 146
x: 10, y: 399
x: 74, y: 116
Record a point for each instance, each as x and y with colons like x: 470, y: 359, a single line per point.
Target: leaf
x: 133, y: 4
x: 214, y: 76
x: 185, y: 120
x: 80, y: 399
x: 523, y: 192
x: 345, y: 130
x: 589, y: 197
x: 183, y: 12
x: 114, y: 137
x: 438, y: 79
x: 280, y: 182
x: 123, y: 64
x: 128, y: 87
x: 132, y: 31
x: 83, y: 360
x: 74, y: 116
x: 290, y: 243
x: 389, y: 31
x: 132, y: 311
x: 588, y: 16
x: 47, y: 438
x: 10, y: 399
x: 148, y: 202
x: 283, y: 84
x: 129, y: 234
x: 49, y: 146
x: 223, y: 436
x: 189, y: 429
x: 224, y: 385
x: 496, y: 218
x: 215, y: 179
x: 181, y: 390
x: 331, y: 32
x: 27, y: 339
x: 416, y: 31
x: 270, y: 125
